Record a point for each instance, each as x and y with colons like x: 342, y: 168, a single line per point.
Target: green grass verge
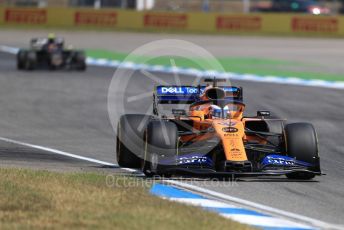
x: 258, y: 66
x: 40, y: 200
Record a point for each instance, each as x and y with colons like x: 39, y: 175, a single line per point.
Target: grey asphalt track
x: 68, y: 111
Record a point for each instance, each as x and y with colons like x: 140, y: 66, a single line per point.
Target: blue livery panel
x: 285, y: 161
x: 188, y: 94
x: 191, y: 159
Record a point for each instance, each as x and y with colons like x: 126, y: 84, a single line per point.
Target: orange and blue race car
x: 214, y: 138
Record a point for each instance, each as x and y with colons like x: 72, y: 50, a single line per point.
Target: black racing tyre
x: 30, y: 60
x: 129, y: 141
x: 302, y: 144
x: 161, y: 140
x: 21, y: 59
x: 80, y: 61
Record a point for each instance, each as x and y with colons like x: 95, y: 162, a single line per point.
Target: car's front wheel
x: 30, y: 60
x: 129, y: 141
x: 301, y: 143
x: 161, y: 143
x: 21, y: 59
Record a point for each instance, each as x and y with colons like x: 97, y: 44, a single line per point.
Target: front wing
x: 199, y: 165
x: 206, y: 173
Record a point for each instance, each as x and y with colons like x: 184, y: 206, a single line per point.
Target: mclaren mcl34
x: 213, y: 138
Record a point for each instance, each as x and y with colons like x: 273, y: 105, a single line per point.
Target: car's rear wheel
x: 80, y: 60
x: 129, y: 143
x: 301, y: 143
x: 161, y: 143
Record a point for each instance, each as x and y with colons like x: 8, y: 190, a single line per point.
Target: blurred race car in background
x: 50, y: 53
x: 214, y: 138
x: 293, y: 6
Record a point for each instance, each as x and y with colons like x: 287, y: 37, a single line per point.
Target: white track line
x: 264, y: 208
x: 59, y: 152
x: 8, y: 49
x: 264, y: 221
x: 202, y: 202
x: 56, y: 151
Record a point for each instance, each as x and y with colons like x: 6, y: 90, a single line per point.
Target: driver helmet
x: 51, y: 37
x: 216, y: 112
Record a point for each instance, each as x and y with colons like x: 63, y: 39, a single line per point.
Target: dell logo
x: 177, y: 90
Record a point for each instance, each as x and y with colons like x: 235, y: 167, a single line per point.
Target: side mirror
x: 263, y: 113
x: 178, y: 112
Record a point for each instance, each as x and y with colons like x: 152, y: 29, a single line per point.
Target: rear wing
x: 189, y: 94
x: 38, y: 43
